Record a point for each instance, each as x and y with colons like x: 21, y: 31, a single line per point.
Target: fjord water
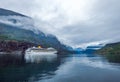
x: 63, y: 68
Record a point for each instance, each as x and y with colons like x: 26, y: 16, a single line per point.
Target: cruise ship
x: 38, y: 54
x: 40, y: 50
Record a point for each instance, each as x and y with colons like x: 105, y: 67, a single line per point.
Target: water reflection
x: 38, y: 58
x: 86, y: 69
x: 39, y: 67
x: 63, y: 68
x: 28, y: 72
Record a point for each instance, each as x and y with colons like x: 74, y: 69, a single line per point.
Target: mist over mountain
x: 18, y: 27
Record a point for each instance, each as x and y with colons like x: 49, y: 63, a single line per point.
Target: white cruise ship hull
x: 41, y: 53
x: 36, y: 56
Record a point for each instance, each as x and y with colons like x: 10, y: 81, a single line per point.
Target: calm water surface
x: 64, y: 68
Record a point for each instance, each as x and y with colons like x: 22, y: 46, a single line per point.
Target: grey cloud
x: 102, y: 23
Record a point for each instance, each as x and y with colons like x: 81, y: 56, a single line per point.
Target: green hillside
x: 8, y: 32
x: 111, y: 51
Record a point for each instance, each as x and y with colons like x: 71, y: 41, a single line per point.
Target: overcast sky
x: 74, y: 22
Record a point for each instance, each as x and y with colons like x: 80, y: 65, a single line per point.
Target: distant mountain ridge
x: 89, y: 49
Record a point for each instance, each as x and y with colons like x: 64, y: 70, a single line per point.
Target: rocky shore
x: 12, y: 52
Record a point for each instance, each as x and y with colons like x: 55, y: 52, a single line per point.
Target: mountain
x: 112, y: 48
x: 92, y: 49
x: 88, y: 49
x: 5, y: 12
x: 20, y: 28
x: 111, y: 51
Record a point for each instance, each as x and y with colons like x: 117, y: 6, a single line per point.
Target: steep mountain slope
x: 18, y: 27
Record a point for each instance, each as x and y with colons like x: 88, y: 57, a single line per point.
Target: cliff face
x: 11, y: 45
